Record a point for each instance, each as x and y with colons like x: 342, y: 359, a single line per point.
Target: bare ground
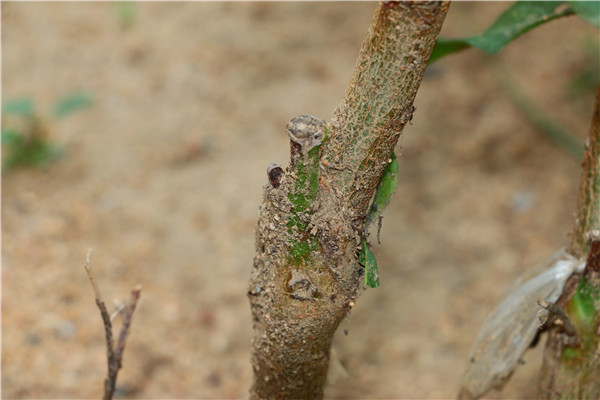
x: 164, y: 174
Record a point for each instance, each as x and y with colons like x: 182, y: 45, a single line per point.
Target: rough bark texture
x: 588, y: 206
x: 306, y: 275
x: 571, y: 368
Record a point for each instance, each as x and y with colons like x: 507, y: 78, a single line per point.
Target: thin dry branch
x: 114, y: 355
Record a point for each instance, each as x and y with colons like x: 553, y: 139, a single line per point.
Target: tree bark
x: 571, y: 368
x: 306, y: 274
x: 588, y: 202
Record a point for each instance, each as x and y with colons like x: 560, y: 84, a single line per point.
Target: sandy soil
x: 164, y: 174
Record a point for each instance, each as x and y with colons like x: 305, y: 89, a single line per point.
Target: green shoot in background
x: 127, y: 13
x: 25, y: 134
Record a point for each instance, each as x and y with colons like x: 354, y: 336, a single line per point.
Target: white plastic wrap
x: 509, y: 330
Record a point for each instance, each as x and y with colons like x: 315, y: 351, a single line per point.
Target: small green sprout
x: 127, y: 12
x: 25, y: 134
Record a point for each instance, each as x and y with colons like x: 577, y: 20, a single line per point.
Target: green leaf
x: 444, y: 47
x: 383, y: 194
x: 22, y: 107
x: 385, y: 189
x: 588, y: 10
x: 367, y: 259
x: 71, y: 103
x: 518, y: 19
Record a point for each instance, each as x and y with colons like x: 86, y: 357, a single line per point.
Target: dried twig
x: 114, y: 355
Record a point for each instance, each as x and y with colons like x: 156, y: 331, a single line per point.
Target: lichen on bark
x: 306, y: 133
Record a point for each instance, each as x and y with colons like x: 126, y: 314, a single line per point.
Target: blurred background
x: 153, y: 126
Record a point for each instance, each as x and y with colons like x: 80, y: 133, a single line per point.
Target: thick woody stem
x: 571, y: 371
x: 306, y: 274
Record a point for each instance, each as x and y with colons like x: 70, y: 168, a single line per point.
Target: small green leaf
x: 22, y: 107
x: 588, y: 10
x: 518, y: 19
x: 367, y: 259
x: 71, y: 103
x: 385, y: 189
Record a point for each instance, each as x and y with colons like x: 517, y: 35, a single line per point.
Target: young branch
x: 379, y: 99
x: 114, y: 354
x: 306, y: 273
